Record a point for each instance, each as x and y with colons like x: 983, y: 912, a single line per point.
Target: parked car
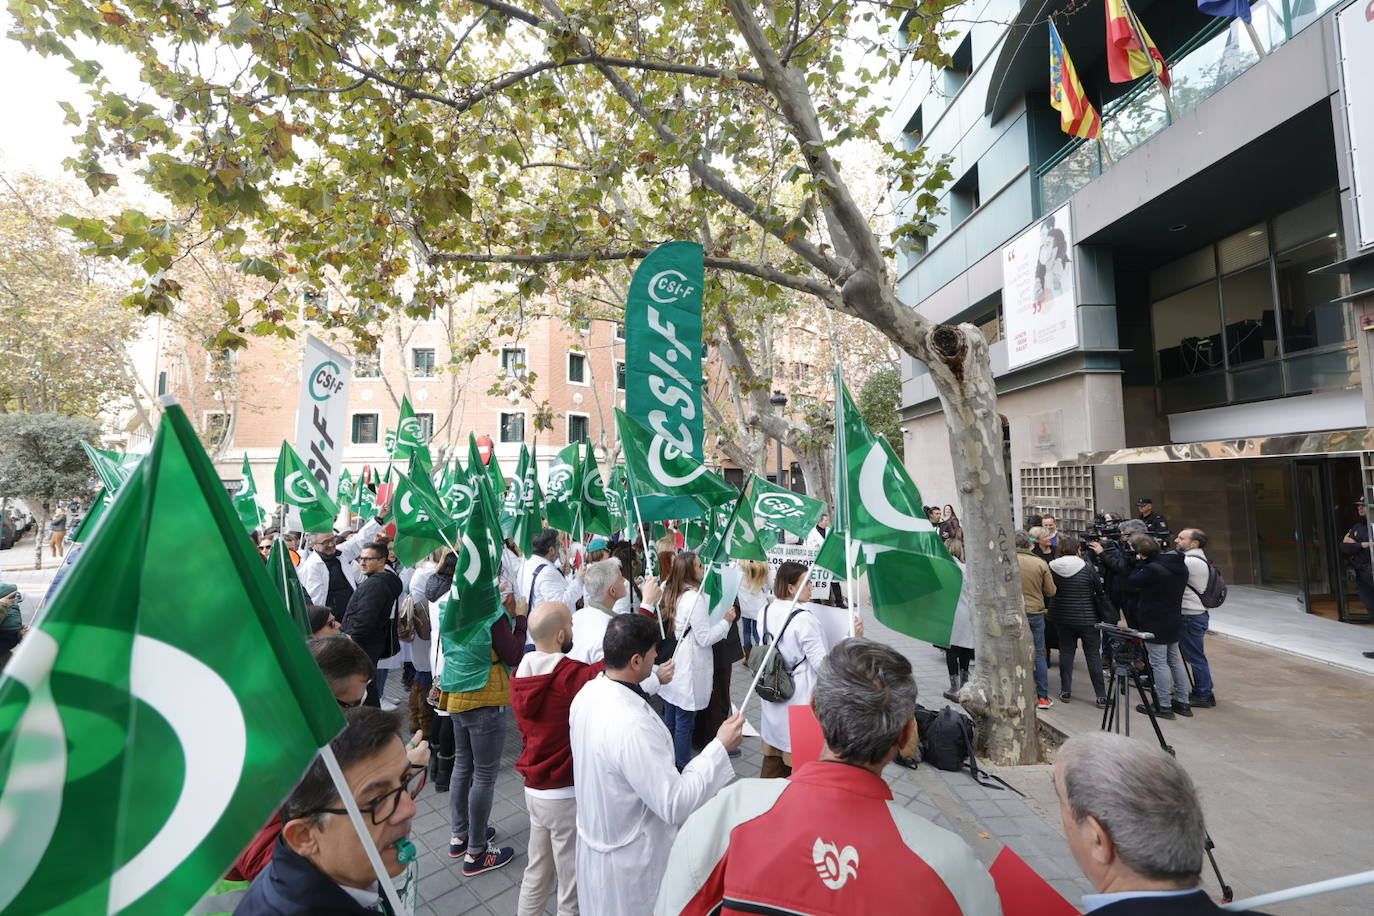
x: 9, y: 533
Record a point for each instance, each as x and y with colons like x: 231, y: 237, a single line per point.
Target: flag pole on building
x: 1255, y: 39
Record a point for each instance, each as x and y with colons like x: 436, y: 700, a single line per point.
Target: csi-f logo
x: 326, y: 380
x: 298, y: 489
x: 669, y: 286
x: 780, y: 505
x: 668, y: 384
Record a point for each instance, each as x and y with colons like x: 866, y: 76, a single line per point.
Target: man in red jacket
x: 542, y: 692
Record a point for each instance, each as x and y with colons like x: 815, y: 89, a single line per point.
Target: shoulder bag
x: 775, y: 684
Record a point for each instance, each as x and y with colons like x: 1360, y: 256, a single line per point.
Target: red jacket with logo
x: 541, y: 703
x: 830, y: 840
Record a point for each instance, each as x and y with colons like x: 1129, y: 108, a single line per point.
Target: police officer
x: 1156, y: 525
x: 1355, y: 546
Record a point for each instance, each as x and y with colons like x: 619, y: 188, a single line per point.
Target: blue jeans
x: 1042, y: 666
x: 478, y: 736
x: 680, y: 723
x: 749, y: 631
x: 1190, y: 642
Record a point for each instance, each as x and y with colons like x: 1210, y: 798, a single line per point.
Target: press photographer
x: 1116, y: 562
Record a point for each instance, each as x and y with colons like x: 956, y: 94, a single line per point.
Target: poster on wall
x: 1039, y: 297
x: 1356, y: 26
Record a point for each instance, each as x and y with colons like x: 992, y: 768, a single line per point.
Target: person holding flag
x: 686, y: 615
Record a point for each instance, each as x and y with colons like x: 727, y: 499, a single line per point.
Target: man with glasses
x: 371, y: 607
x: 319, y: 865
x: 329, y: 573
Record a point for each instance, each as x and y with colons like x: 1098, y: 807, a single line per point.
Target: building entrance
x: 1325, y: 491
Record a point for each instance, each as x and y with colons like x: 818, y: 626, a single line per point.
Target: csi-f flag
x: 160, y: 708
x: 246, y: 500
x: 474, y: 601
x: 297, y: 487
x: 596, y: 506
x: 665, y: 481
x: 913, y: 581
x: 522, y: 511
x: 409, y: 439
x: 562, y: 496
x: 421, y: 523
x: 739, y: 539
x: 112, y: 468
x: 778, y: 507
x: 283, y: 574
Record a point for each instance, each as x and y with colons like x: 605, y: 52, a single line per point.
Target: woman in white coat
x: 802, y: 647
x: 684, y: 613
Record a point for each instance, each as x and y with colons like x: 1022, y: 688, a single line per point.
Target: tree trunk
x: 817, y: 470
x: 40, y: 526
x: 1001, y: 694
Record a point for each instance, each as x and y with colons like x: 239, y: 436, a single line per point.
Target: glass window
x: 512, y: 427
x: 365, y: 427
x: 620, y: 330
x: 216, y: 427
x: 620, y: 374
x: 1323, y: 371
x: 426, y: 426
x: 513, y: 360
x: 1313, y: 220
x: 1189, y: 270
x: 1247, y: 299
x: 422, y: 362
x: 1310, y: 318
x: 1259, y: 383
x: 577, y: 368
x: 1187, y: 329
x: 579, y: 428
x: 1249, y: 246
x: 367, y: 365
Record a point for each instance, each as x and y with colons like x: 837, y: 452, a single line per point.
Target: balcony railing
x: 1214, y: 57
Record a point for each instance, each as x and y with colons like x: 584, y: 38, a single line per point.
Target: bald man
x: 542, y: 692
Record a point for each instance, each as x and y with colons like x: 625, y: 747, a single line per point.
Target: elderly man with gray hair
x: 1134, y: 823
x: 830, y: 840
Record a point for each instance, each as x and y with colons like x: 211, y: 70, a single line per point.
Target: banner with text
x: 323, y: 412
x: 663, y: 345
x: 779, y: 554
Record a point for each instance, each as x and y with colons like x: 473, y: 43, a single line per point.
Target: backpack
x: 947, y: 740
x: 775, y: 683
x: 412, y: 622
x: 1214, y: 594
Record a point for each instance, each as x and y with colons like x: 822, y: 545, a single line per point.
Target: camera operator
x: 1159, y: 580
x: 1116, y: 563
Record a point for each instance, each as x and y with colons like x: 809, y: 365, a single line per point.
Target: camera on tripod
x: 1124, y: 634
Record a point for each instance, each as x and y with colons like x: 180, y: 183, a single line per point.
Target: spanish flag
x: 1130, y: 52
x: 1076, y: 114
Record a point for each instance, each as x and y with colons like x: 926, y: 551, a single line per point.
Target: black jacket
x: 1117, y: 564
x: 369, y: 610
x: 1196, y: 904
x: 1159, y: 583
x: 293, y: 886
x: 1075, y: 582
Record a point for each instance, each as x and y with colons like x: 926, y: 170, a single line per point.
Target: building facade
x: 1177, y: 311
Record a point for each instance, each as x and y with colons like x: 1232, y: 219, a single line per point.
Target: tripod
x: 1116, y: 716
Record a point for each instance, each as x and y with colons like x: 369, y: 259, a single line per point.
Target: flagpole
x: 1254, y: 37
x: 853, y: 592
x: 772, y: 646
x: 841, y: 461
x: 351, y: 805
x: 652, y: 551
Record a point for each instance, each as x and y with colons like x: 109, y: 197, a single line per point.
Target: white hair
x: 601, y: 577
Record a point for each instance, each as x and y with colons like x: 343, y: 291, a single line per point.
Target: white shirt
x: 803, y: 648
x: 511, y: 564
x: 589, y: 639
x: 314, y: 574
x: 690, y: 688
x: 1198, y: 574
x: 630, y: 797
x: 751, y: 604
x: 550, y: 585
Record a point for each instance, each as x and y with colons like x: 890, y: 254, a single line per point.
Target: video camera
x: 1105, y: 527
x: 1123, y: 634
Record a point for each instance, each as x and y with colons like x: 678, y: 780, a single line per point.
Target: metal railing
x: 1199, y: 68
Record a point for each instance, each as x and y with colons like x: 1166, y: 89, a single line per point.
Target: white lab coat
x: 589, y: 642
x: 803, y: 649
x: 417, y: 651
x: 551, y: 585
x: 314, y: 575
x: 690, y: 688
x: 630, y: 797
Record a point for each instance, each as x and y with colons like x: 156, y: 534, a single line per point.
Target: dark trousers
x: 1069, y: 637
x: 957, y: 660
x: 717, y: 709
x: 1364, y: 581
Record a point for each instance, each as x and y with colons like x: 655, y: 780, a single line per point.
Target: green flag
x: 596, y: 507
x: 777, y: 507
x: 160, y: 708
x: 246, y: 500
x: 483, y: 488
x: 666, y: 482
x: 475, y: 600
x: 409, y: 440
x: 422, y: 525
x: 617, y: 505
x: 112, y: 468
x: 297, y: 487
x: 563, y: 497
x: 663, y: 347
x: 457, y: 495
x: 913, y: 581
x: 740, y: 536
x: 346, y: 490
x: 283, y: 574
x: 88, y: 522
x: 522, y: 511
x: 720, y: 586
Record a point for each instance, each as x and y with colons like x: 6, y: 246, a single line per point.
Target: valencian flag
x: 297, y: 487
x: 679, y: 485
x: 913, y: 581
x: 246, y: 499
x: 1130, y: 51
x: 141, y: 745
x: 474, y: 601
x: 1240, y: 9
x: 562, y: 496
x: 778, y: 507
x: 283, y: 575
x: 1077, y: 117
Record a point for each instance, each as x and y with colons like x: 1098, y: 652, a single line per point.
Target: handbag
x: 775, y: 684
x: 413, y: 620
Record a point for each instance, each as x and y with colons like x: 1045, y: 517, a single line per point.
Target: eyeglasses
x: 342, y: 704
x: 362, y: 559
x: 382, y: 809
x: 265, y: 549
